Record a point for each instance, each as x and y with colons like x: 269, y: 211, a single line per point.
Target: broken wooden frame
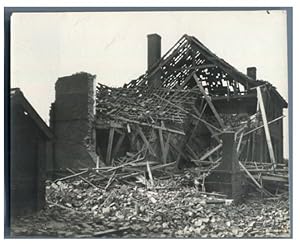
x: 180, y: 120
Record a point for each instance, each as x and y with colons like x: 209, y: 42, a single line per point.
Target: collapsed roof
x: 176, y: 75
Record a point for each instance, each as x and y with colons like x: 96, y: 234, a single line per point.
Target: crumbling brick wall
x: 71, y: 118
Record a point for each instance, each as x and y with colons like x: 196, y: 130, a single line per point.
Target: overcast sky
x: 45, y: 46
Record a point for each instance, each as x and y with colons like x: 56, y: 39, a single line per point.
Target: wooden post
x: 208, y: 100
x: 97, y: 163
x: 266, y: 127
x: 240, y: 141
x: 150, y: 174
x: 118, y: 145
x: 166, y: 149
x: 162, y: 145
x: 146, y: 142
x: 109, y: 146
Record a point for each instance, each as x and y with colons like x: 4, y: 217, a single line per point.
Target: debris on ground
x: 76, y: 209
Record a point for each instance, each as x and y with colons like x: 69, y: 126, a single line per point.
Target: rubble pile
x: 75, y: 209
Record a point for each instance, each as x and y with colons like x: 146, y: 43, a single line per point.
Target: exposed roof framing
x: 176, y: 71
x: 190, y: 55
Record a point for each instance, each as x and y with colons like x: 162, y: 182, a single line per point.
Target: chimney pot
x: 251, y: 72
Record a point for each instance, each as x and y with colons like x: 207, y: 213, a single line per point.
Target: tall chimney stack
x: 154, y: 49
x: 251, y: 72
x: 154, y: 55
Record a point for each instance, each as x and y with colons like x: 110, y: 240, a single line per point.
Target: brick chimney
x: 251, y: 72
x: 154, y: 49
x: 154, y: 55
x: 72, y: 121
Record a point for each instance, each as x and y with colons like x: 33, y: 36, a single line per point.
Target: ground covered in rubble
x: 125, y: 211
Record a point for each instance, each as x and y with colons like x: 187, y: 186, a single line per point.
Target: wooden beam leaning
x: 239, y: 143
x: 187, y: 112
x: 166, y: 149
x: 210, y: 152
x: 150, y: 174
x: 266, y: 127
x: 146, y: 142
x: 208, y: 100
x: 118, y: 145
x: 109, y: 145
x: 214, y: 135
x: 151, y: 125
x: 270, y: 122
x: 162, y: 145
x: 71, y: 176
x: 250, y: 175
x: 82, y: 178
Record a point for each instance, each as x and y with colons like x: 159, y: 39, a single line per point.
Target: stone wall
x: 71, y: 118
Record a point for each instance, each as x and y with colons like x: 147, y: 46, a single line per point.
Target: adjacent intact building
x: 30, y: 155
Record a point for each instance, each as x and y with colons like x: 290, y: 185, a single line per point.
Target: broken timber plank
x: 109, y: 146
x: 111, y: 179
x: 111, y: 231
x: 250, y: 175
x: 208, y: 100
x: 131, y: 163
x: 203, y: 110
x: 240, y: 141
x: 146, y: 142
x: 273, y: 178
x: 71, y: 176
x: 118, y: 145
x: 153, y: 126
x: 267, y: 132
x: 187, y: 112
x: 63, y: 207
x: 210, y: 152
x: 270, y: 122
x: 162, y: 145
x: 150, y: 174
x: 166, y: 149
x: 85, y: 180
x: 194, y: 67
x: 214, y: 135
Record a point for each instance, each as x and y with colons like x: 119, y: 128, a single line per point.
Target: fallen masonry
x: 172, y: 209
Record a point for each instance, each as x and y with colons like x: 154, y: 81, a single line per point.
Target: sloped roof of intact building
x: 17, y: 98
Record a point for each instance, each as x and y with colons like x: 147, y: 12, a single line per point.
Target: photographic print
x: 149, y: 124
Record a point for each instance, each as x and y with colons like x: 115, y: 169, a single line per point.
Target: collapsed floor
x: 172, y: 209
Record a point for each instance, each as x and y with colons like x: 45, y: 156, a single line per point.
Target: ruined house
x: 190, y: 108
x: 183, y: 102
x: 30, y: 155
